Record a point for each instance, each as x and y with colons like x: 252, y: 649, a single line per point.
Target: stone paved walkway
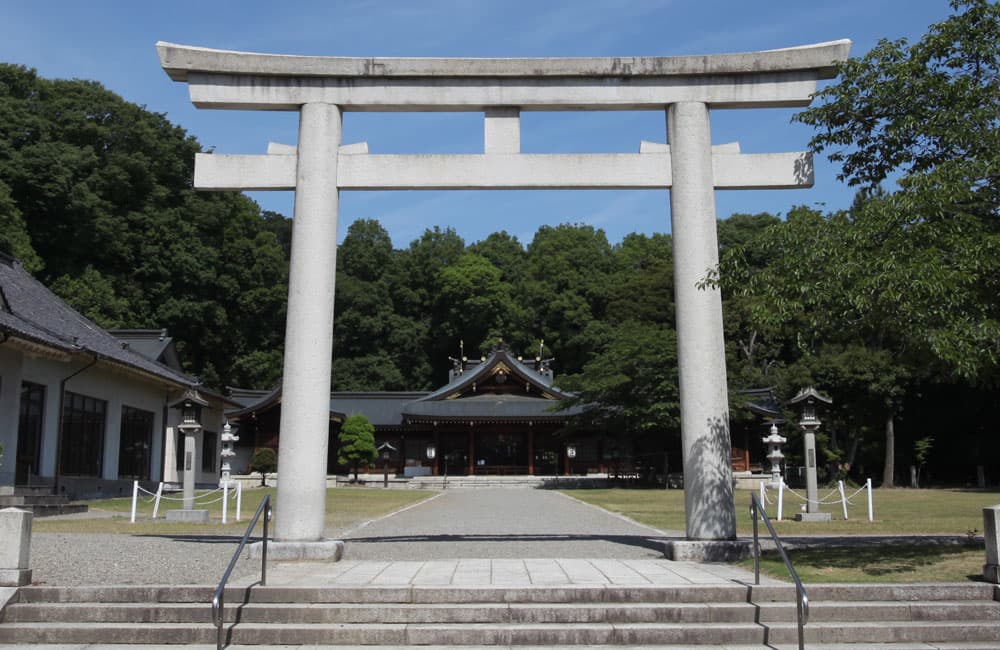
x: 502, y: 573
x: 503, y: 537
x: 503, y: 523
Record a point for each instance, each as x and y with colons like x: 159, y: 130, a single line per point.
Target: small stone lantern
x: 774, y: 442
x: 385, y: 450
x: 227, y: 452
x: 570, y: 455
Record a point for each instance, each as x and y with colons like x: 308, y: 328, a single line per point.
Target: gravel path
x: 109, y: 559
x: 502, y: 523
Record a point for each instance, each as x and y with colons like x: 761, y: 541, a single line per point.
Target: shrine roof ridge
x: 180, y: 60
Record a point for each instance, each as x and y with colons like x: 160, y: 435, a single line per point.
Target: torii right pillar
x: 701, y: 359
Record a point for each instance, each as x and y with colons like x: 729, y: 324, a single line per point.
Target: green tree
x: 93, y: 295
x: 910, y: 276
x: 368, y: 353
x: 630, y: 386
x: 505, y: 252
x: 366, y: 252
x: 265, y: 461
x: 921, y: 453
x: 567, y: 284
x: 357, y: 443
x: 474, y: 302
x: 415, y: 287
x: 641, y: 284
x: 14, y: 238
x: 911, y: 108
x: 96, y: 198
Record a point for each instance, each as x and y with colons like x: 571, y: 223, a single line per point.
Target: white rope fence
x: 835, y: 496
x: 204, y: 499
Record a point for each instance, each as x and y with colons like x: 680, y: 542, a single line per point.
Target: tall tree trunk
x: 890, y: 452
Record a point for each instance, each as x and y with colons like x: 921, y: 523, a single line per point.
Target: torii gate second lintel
x: 321, y: 88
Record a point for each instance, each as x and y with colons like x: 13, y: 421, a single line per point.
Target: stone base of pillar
x: 325, y: 549
x: 991, y: 573
x: 813, y: 516
x: 188, y: 516
x: 706, y: 550
x: 15, y: 577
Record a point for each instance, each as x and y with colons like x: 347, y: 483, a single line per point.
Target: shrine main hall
x: 501, y: 414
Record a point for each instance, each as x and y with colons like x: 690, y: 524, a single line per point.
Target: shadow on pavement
x: 652, y: 543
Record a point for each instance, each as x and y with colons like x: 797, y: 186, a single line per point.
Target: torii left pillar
x: 305, y: 394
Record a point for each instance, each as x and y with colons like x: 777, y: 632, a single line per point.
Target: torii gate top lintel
x: 178, y: 60
x: 253, y: 81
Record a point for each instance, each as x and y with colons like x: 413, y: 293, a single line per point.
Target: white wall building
x: 86, y: 411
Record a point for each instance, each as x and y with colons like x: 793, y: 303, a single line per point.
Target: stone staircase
x: 865, y: 616
x: 40, y: 501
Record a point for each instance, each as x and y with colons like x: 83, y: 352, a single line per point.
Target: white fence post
x: 135, y: 497
x: 871, y: 511
x: 781, y: 497
x: 843, y: 498
x: 225, y: 501
x: 159, y: 493
x: 239, y: 499
x: 763, y: 496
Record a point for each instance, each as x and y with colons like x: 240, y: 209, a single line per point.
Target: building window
x: 180, y: 449
x: 135, y: 443
x: 208, y: 451
x: 29, y: 432
x: 82, y: 445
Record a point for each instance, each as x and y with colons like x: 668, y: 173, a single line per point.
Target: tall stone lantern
x: 774, y: 454
x: 809, y: 398
x: 190, y: 405
x: 227, y: 452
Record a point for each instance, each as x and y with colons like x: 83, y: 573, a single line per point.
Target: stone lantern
x: 809, y: 398
x: 774, y: 442
x: 227, y: 452
x: 190, y: 405
x: 385, y: 451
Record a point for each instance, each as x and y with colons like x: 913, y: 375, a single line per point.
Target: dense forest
x: 891, y: 307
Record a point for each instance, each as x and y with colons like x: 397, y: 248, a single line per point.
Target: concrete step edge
x: 889, y: 612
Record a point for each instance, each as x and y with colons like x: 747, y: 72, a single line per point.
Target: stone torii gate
x: 322, y: 88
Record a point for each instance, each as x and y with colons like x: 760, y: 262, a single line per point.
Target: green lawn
x: 899, y: 511
x: 345, y: 507
x: 897, y: 563
x: 937, y: 512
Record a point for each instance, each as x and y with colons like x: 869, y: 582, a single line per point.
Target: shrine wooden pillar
x: 472, y: 450
x: 437, y: 451
x: 531, y: 450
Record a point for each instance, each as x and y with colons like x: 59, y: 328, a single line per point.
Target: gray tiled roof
x: 391, y: 408
x: 494, y: 407
x: 248, y: 396
x: 484, y: 369
x: 31, y: 312
x: 152, y: 344
x: 381, y: 408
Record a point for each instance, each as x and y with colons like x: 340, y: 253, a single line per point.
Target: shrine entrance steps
x: 710, y: 616
x: 515, y: 481
x: 40, y: 501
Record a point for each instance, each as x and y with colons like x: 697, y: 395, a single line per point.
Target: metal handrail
x: 219, y: 599
x: 802, y: 600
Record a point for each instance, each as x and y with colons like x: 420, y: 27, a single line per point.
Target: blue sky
x: 113, y: 42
